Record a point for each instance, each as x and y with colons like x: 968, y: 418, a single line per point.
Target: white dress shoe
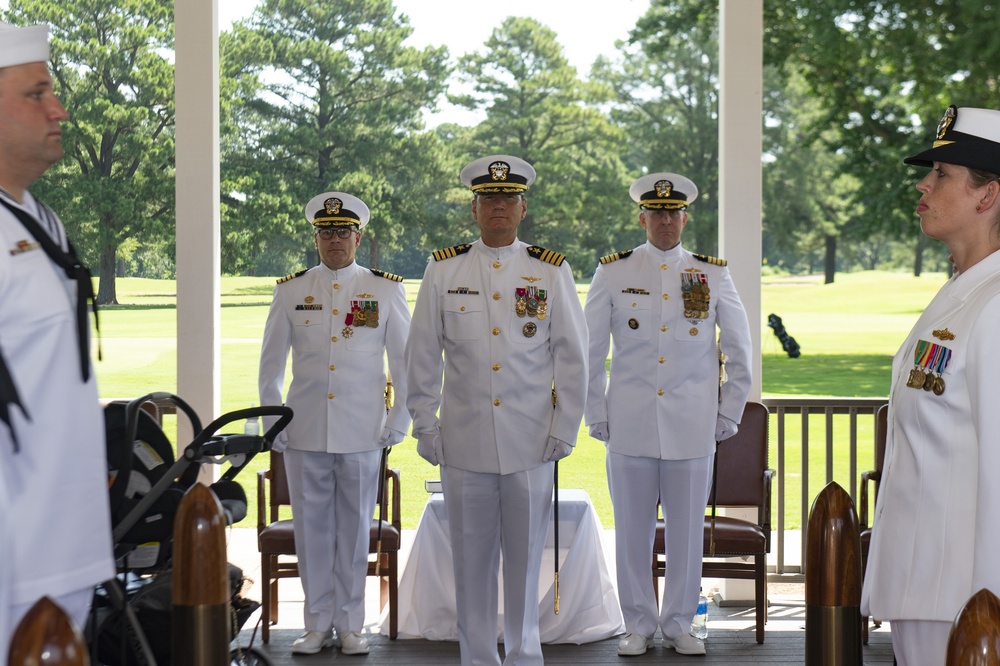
x: 686, y: 644
x: 632, y: 645
x: 312, y: 642
x: 352, y: 642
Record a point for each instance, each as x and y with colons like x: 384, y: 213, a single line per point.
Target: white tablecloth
x: 588, y: 605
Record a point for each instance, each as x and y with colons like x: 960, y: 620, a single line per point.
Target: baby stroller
x: 130, y: 624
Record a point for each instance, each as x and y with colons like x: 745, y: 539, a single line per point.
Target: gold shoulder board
x: 292, y: 276
x: 608, y: 258
x: 388, y: 276
x: 710, y: 260
x: 548, y: 256
x: 449, y: 252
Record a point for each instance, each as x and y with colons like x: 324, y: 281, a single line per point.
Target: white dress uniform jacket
x: 499, y: 368
x: 663, y: 398
x: 936, y: 531
x: 54, y: 490
x: 338, y: 372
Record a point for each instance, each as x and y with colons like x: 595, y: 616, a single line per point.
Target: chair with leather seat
x: 743, y: 481
x: 872, y: 478
x: 276, y: 542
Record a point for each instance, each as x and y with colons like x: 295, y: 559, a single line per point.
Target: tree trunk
x: 830, y: 260
x: 106, y: 294
x: 372, y: 252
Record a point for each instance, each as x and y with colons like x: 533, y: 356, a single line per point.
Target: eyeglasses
x: 341, y: 232
x: 505, y: 199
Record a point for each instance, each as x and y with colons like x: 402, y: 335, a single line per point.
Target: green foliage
x: 331, y: 99
x: 111, y: 73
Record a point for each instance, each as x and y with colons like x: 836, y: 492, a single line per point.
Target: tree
x: 537, y: 109
x: 116, y: 180
x: 335, y: 101
x: 884, y: 71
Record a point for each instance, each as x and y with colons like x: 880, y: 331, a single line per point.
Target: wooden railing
x: 843, y: 431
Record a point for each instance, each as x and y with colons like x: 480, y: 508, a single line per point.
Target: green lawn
x: 848, y: 332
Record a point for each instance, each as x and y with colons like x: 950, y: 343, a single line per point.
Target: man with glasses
x: 662, y: 412
x: 340, y: 320
x: 507, y: 319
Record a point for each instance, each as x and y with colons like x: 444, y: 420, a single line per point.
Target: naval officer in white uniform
x: 502, y: 320
x: 55, y: 536
x: 662, y: 411
x: 936, y: 532
x: 340, y: 321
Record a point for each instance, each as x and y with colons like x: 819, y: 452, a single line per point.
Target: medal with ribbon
x: 929, y: 363
x: 695, y: 292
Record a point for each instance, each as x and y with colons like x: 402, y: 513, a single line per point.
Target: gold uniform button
x: 333, y: 367
x: 330, y: 396
x: 663, y: 267
x: 662, y: 359
x: 336, y: 286
x: 496, y: 331
x: 462, y: 309
x: 496, y: 264
x: 663, y: 328
x: 496, y: 366
x: 496, y: 296
x: 666, y: 296
x: 336, y: 311
x: 307, y: 321
x: 333, y: 339
x: 496, y: 403
x: 660, y: 392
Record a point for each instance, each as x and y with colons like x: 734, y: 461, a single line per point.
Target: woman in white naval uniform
x: 936, y: 531
x: 509, y: 323
x: 340, y: 321
x: 55, y: 537
x: 663, y: 410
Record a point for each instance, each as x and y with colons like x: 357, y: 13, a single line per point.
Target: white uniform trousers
x: 333, y: 501
x: 920, y: 642
x: 684, y: 486
x: 489, y: 514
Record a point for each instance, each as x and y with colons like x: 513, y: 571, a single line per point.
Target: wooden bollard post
x: 975, y: 635
x: 833, y: 581
x: 201, y: 624
x: 47, y: 636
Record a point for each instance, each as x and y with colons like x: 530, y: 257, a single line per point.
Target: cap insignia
x: 946, y: 121
x: 332, y: 206
x: 499, y: 170
x: 663, y: 188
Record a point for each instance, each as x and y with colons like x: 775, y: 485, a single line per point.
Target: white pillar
x: 198, y: 244
x: 741, y: 30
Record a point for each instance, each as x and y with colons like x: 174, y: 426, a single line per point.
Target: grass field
x: 848, y: 332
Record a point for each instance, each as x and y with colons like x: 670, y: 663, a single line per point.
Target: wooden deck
x: 731, y: 631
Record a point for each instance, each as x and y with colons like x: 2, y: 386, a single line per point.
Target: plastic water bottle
x: 252, y: 426
x: 699, y: 626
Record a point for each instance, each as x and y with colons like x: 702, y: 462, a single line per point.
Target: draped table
x: 588, y: 604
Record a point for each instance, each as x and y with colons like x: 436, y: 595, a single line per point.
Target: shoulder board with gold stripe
x: 548, y: 256
x: 710, y: 260
x: 388, y: 276
x: 449, y: 252
x: 608, y: 258
x: 292, y: 276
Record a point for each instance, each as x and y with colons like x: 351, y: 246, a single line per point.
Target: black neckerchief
x: 75, y: 270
